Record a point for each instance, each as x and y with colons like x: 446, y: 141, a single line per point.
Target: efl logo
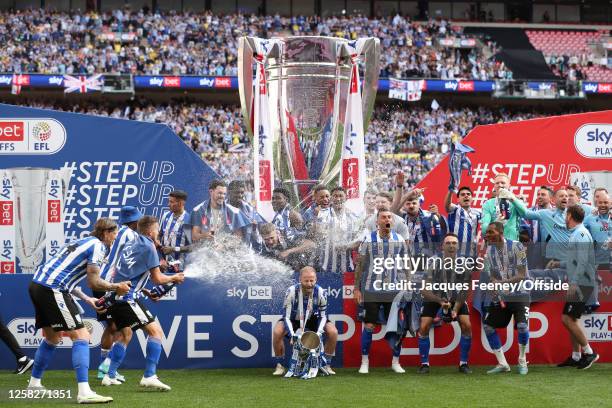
x: 54, y: 211
x: 6, y: 213
x: 259, y: 292
x: 223, y: 82
x: 11, y: 131
x: 466, y: 86
x: 7, y: 267
x: 172, y: 82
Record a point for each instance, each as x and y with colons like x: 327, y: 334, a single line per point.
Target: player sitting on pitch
x: 506, y: 262
x: 451, y: 298
x: 305, y: 310
x: 138, y: 261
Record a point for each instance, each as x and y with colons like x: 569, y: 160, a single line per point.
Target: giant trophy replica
x: 302, y: 101
x: 31, y: 216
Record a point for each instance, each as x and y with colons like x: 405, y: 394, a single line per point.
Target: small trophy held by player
x: 457, y: 162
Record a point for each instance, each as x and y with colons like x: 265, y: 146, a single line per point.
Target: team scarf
x: 353, y: 176
x: 262, y: 132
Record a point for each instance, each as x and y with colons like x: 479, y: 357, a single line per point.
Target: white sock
x: 365, y: 360
x: 576, y: 355
x: 462, y: 363
x: 522, y: 352
x: 395, y: 360
x: 84, y: 388
x: 587, y: 349
x: 34, y: 382
x: 23, y: 359
x: 501, y: 359
x: 107, y: 361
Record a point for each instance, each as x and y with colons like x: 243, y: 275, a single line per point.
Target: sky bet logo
x: 6, y: 256
x: 594, y: 140
x: 252, y: 292
x: 11, y: 131
x: 598, y: 326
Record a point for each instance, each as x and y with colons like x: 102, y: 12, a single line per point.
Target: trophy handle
x: 371, y: 57
x: 245, y: 80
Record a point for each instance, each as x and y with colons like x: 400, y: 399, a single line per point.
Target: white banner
x: 7, y: 223
x: 405, y: 90
x: 54, y: 222
x: 353, y: 176
x: 262, y: 136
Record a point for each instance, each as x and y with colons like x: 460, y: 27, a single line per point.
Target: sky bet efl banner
x: 74, y: 168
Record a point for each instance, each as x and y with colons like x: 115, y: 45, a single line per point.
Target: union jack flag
x: 83, y: 84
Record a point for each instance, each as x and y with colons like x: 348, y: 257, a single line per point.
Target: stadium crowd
x: 155, y: 43
x: 413, y: 140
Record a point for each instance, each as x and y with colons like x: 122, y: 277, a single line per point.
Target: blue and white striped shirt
x: 315, y: 308
x: 172, y: 231
x: 464, y: 223
x: 124, y: 235
x: 375, y: 247
x: 503, y: 262
x: 66, y: 269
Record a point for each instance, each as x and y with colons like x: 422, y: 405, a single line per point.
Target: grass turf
x: 544, y: 386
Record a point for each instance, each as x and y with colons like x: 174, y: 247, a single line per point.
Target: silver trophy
x: 30, y: 187
x: 307, y: 88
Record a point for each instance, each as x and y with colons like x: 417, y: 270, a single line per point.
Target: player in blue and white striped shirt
x: 506, y: 262
x: 463, y: 221
x: 175, y: 228
x: 138, y: 261
x: 128, y: 217
x: 56, y: 311
x: 305, y: 309
x: 370, y: 277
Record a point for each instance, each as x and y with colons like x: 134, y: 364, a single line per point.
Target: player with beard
x: 215, y: 218
x: 451, y: 300
x: 235, y: 198
x: 425, y: 228
x: 305, y: 309
x: 463, y: 221
x: 293, y: 251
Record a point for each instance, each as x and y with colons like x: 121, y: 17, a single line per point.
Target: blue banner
x: 114, y: 162
x: 205, y: 325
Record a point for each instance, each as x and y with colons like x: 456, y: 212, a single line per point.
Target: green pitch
x: 544, y: 386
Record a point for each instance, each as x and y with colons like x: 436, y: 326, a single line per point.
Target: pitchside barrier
x: 118, y: 162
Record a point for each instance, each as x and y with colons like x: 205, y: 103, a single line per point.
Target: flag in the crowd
x: 435, y: 105
x: 405, y: 90
x: 82, y: 83
x: 17, y: 81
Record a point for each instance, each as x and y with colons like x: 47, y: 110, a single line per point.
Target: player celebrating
x: 463, y: 220
x: 56, y: 311
x: 450, y: 298
x: 581, y: 268
x: 379, y: 245
x: 128, y: 218
x: 501, y: 210
x: 139, y: 261
x: 506, y: 262
x: 305, y: 309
